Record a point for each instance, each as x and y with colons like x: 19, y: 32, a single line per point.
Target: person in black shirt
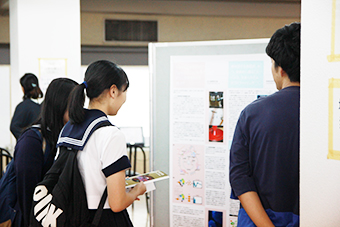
x: 28, y: 110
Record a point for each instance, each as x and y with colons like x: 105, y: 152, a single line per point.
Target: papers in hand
x: 148, y: 179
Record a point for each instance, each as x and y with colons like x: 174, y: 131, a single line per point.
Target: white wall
x: 39, y: 29
x: 43, y: 30
x: 6, y: 140
x: 319, y: 176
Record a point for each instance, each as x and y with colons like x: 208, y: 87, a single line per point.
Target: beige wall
x: 92, y: 26
x: 186, y: 28
x: 175, y: 28
x: 4, y: 29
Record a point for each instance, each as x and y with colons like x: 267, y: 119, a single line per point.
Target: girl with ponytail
x: 102, y: 156
x: 36, y: 148
x: 28, y: 110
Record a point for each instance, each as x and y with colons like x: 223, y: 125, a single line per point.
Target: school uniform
x: 102, y: 152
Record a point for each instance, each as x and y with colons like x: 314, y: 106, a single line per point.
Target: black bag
x: 60, y: 199
x: 8, y: 195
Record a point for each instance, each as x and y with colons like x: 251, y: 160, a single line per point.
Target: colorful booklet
x: 147, y: 178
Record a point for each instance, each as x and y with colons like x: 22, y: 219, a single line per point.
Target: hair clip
x: 85, y: 84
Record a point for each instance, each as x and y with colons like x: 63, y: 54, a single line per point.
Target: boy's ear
x: 282, y: 72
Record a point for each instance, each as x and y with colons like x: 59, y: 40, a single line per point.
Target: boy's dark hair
x: 54, y: 107
x: 284, y: 49
x: 99, y: 76
x: 31, y: 87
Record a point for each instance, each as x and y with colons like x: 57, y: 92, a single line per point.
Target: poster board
x: 191, y: 83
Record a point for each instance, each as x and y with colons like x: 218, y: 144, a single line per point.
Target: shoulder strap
x: 37, y: 129
x: 103, y: 124
x: 97, y: 216
x: 99, y: 211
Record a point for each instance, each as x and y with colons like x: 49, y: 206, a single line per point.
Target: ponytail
x: 31, y: 87
x: 36, y: 93
x: 99, y: 76
x: 76, y: 103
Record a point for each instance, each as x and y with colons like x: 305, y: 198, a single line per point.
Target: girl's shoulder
x: 109, y: 136
x: 28, y: 103
x: 31, y: 132
x: 29, y: 140
x: 109, y: 132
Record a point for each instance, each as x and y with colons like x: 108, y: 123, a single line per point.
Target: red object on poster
x: 215, y: 134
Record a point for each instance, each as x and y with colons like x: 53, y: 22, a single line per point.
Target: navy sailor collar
x: 76, y: 135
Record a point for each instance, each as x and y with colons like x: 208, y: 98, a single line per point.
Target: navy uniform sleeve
x: 121, y: 164
x: 28, y: 162
x: 18, y: 121
x: 240, y: 173
x: 24, y: 115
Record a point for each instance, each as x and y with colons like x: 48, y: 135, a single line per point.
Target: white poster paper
x: 207, y: 94
x: 49, y: 69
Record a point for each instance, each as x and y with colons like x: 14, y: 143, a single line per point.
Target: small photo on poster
x: 215, y: 99
x: 215, y: 218
x: 216, y: 113
x: 215, y: 133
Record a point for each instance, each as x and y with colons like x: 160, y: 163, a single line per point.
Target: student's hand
x: 140, y: 188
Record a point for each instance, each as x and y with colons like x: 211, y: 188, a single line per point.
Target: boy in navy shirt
x: 264, y: 156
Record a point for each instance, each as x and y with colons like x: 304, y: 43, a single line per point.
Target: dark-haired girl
x: 102, y: 159
x: 36, y: 148
x: 28, y: 110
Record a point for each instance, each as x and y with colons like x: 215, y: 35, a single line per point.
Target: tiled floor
x: 138, y: 213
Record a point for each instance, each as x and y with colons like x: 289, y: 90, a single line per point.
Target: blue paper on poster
x: 246, y: 74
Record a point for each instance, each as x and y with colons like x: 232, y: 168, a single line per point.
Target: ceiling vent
x: 130, y: 31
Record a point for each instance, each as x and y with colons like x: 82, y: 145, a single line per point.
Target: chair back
x: 133, y: 135
x: 5, y: 158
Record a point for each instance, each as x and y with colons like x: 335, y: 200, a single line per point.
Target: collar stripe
x: 81, y: 142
